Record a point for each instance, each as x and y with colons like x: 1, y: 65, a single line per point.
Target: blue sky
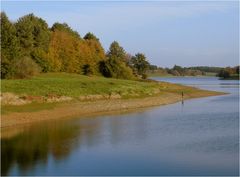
x: 186, y: 33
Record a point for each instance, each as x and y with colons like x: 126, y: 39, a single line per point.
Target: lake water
x: 199, y: 137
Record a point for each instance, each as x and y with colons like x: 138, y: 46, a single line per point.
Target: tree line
x: 227, y: 72
x: 29, y: 46
x: 176, y: 71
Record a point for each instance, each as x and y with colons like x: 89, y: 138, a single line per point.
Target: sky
x: 186, y: 33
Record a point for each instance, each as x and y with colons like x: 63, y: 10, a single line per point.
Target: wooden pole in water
x: 182, y: 99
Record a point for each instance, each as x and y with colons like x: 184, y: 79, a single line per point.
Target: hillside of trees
x: 29, y: 46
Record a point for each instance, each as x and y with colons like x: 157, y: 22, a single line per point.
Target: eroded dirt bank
x: 99, y: 107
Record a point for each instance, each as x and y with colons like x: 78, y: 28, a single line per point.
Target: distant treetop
x: 64, y: 27
x: 90, y: 36
x: 115, y: 50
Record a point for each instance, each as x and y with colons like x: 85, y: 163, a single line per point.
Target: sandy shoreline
x: 100, y: 107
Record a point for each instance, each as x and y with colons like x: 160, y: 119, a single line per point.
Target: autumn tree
x: 96, y: 50
x: 69, y: 53
x: 62, y: 55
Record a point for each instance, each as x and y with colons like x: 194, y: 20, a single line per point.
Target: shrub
x: 104, y: 69
x: 87, y: 70
x: 115, y: 68
x: 24, y: 68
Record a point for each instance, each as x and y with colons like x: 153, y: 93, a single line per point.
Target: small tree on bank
x: 140, y: 64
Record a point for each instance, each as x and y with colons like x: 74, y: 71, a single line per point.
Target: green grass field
x: 75, y: 85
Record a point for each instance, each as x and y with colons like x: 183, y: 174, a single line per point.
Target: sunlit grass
x: 75, y: 85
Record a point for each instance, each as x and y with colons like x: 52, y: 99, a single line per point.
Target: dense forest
x: 29, y: 46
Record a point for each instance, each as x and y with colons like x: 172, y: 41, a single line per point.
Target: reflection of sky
x: 183, y: 33
x: 199, y: 138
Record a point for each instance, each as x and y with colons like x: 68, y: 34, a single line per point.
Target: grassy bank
x: 89, y: 95
x: 77, y: 86
x: 74, y: 85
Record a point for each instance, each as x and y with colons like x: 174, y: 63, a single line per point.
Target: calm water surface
x: 199, y: 137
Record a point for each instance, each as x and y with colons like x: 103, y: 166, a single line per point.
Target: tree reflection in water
x: 36, y: 143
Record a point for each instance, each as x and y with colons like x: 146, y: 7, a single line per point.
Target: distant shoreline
x: 159, y: 75
x: 100, y: 107
x: 169, y: 76
x: 200, y: 76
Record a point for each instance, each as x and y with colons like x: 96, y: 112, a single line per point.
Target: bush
x: 115, y: 68
x: 24, y: 68
x: 87, y: 70
x: 104, y: 69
